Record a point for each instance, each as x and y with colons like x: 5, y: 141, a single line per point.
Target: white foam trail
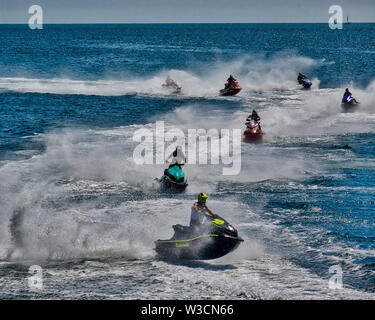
x: 38, y: 221
x: 254, y: 72
x: 36, y: 217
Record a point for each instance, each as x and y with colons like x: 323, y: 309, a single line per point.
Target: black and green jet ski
x: 213, y: 239
x: 173, y: 179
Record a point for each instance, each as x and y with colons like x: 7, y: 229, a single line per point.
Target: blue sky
x: 171, y: 11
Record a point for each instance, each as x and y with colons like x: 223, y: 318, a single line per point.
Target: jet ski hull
x: 230, y: 91
x: 173, y: 88
x: 212, y: 239
x: 168, y: 184
x: 203, y: 247
x: 349, y: 104
x: 253, y: 131
x: 253, y: 136
x: 349, y: 107
x: 306, y: 84
x: 173, y: 179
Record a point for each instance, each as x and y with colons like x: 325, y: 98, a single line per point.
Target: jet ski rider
x: 178, y: 157
x: 169, y: 81
x: 254, y: 116
x: 198, y: 210
x: 300, y: 77
x: 348, y: 93
x: 231, y: 82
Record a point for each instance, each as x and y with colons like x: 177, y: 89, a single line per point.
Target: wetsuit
x: 346, y: 94
x: 256, y: 118
x: 197, y: 218
x: 300, y: 78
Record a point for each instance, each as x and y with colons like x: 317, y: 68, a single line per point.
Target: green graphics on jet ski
x: 214, y: 238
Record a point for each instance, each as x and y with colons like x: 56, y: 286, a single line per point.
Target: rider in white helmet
x: 177, y: 156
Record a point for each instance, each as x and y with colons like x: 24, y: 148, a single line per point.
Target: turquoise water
x: 73, y: 201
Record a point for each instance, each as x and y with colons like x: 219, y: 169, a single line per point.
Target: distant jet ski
x: 348, y: 103
x: 302, y: 80
x: 230, y: 91
x: 213, y: 239
x: 173, y: 179
x: 171, y: 84
x: 231, y: 87
x: 306, y: 83
x: 349, y: 100
x: 253, y: 131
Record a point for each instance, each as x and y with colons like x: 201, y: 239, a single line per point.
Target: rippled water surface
x: 73, y: 201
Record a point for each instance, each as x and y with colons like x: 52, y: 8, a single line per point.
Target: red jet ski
x: 173, y: 85
x: 230, y: 90
x: 253, y: 131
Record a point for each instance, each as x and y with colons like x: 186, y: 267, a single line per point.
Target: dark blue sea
x: 74, y: 202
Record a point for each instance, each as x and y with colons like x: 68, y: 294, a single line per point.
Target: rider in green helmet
x: 300, y: 77
x: 254, y: 116
x: 198, y: 210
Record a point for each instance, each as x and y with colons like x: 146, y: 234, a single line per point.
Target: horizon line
x: 60, y: 23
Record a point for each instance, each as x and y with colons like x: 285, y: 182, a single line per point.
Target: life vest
x: 197, y: 217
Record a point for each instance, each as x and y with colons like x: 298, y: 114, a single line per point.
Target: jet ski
x: 173, y: 86
x: 213, y: 239
x: 348, y: 103
x: 230, y: 90
x: 306, y: 83
x: 173, y: 179
x: 253, y: 131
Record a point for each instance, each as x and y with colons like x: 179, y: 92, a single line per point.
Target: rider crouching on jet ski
x: 300, y: 77
x: 169, y: 81
x: 231, y: 82
x: 198, y: 210
x: 348, y: 93
x: 254, y: 116
x: 178, y: 157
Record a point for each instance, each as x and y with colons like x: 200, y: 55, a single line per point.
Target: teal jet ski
x: 173, y: 179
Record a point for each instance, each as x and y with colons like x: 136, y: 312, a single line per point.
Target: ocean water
x: 73, y: 201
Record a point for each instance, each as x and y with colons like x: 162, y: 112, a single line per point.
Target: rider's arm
x: 169, y: 157
x: 209, y: 211
x: 195, y: 207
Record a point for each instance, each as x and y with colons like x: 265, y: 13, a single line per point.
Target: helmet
x: 346, y: 89
x: 202, y: 197
x: 177, y: 151
x: 254, y: 111
x: 300, y: 74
